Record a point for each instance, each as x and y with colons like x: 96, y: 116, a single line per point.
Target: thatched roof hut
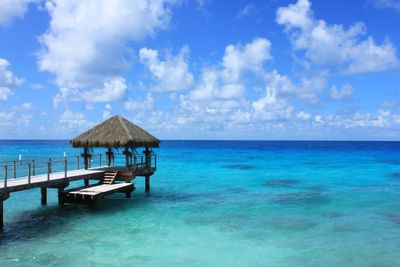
x: 115, y: 132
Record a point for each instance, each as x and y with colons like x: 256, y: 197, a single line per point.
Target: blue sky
x: 202, y: 69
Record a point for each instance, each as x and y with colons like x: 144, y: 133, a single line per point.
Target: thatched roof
x: 115, y: 132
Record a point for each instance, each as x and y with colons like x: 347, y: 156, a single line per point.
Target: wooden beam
x: 147, y: 154
x: 86, y: 157
x: 128, y: 156
x: 3, y: 197
x: 1, y: 215
x: 147, y: 183
x: 110, y: 156
x: 43, y: 193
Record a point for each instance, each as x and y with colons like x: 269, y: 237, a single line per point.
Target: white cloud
x: 223, y: 83
x: 303, y: 115
x: 382, y: 119
x: 332, y: 45
x: 73, y: 121
x: 393, y: 4
x: 86, y: 44
x: 171, y: 74
x: 271, y: 107
x: 307, y: 88
x: 8, y: 80
x: 113, y: 89
x: 6, y: 118
x: 12, y: 9
x: 5, y: 93
x: 24, y: 120
x: 107, y: 111
x: 201, y: 6
x: 344, y: 92
x: 27, y: 106
x: 140, y: 105
x: 37, y: 86
x: 220, y: 89
x: 247, y: 10
x: 212, y: 87
x: 251, y: 57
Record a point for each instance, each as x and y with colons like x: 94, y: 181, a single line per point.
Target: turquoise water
x: 222, y: 204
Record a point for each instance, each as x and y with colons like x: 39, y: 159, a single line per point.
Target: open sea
x: 221, y: 203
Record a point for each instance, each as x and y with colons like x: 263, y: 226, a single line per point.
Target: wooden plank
x: 1, y: 214
x: 102, y: 189
x: 43, y: 194
x: 42, y: 181
x: 90, y: 195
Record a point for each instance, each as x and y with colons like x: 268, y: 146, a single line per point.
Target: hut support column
x: 86, y: 157
x: 147, y: 183
x: 1, y: 214
x: 60, y: 195
x: 43, y: 193
x: 3, y: 197
x: 128, y: 155
x: 147, y: 154
x: 60, y: 198
x: 110, y: 155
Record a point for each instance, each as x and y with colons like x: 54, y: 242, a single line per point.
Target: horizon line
x: 234, y: 140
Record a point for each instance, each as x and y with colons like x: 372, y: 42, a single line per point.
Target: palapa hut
x: 118, y: 132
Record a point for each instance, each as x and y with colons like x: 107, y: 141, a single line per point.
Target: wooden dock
x: 25, y: 175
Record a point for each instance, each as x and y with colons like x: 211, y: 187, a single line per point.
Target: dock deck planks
x: 24, y: 183
x: 89, y: 195
x: 100, y: 190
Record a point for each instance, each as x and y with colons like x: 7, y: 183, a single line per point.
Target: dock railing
x: 28, y: 168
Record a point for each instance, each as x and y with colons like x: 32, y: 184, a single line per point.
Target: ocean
x: 221, y: 203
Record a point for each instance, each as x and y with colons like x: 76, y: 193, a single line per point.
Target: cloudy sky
x: 202, y: 69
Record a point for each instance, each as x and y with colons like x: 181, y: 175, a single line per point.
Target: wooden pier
x: 112, y: 175
x: 91, y: 194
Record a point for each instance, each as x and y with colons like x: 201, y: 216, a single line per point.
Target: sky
x: 202, y: 69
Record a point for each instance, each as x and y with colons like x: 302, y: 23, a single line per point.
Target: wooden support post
x: 1, y: 215
x: 86, y: 157
x: 5, y: 177
x: 110, y: 156
x: 48, y: 170
x: 3, y: 197
x: 29, y: 173
x: 33, y: 168
x: 60, y: 198
x: 43, y: 198
x: 147, y: 154
x: 65, y: 167
x: 147, y: 181
x: 60, y: 195
x: 127, y: 154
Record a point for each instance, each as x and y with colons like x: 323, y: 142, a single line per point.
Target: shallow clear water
x: 222, y: 203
